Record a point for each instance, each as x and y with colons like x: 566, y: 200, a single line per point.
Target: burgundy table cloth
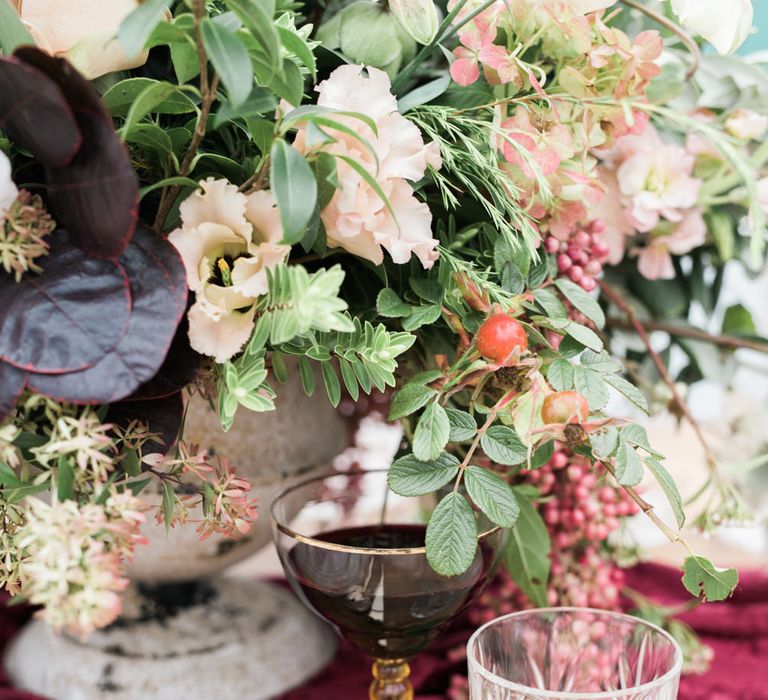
x: 737, y: 630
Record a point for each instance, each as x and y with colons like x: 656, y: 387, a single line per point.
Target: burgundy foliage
x: 161, y: 416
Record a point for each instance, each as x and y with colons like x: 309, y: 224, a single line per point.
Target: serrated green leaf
x: 560, y: 375
x: 586, y: 336
x: 553, y: 307
x: 410, y: 399
x: 390, y: 305
x: 427, y: 289
x: 526, y: 556
x: 451, y: 539
x: 492, y: 495
x: 409, y: 476
x: 629, y: 466
x: 432, y: 433
x: 605, y: 442
x: 463, y: 425
x: 503, y: 446
x: 542, y: 454
x: 638, y: 436
x: 702, y: 579
x: 421, y: 316
x: 627, y: 389
x: 295, y: 188
x: 600, y: 362
x: 591, y: 385
x: 669, y: 487
x: 230, y: 59
x: 583, y: 301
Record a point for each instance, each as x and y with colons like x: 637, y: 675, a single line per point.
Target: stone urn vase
x: 186, y: 632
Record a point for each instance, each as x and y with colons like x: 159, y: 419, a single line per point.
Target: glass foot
x: 391, y: 680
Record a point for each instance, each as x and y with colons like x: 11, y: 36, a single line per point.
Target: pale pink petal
x: 690, y: 233
x: 465, y: 70
x: 655, y: 263
x: 220, y: 202
x: 221, y: 339
x: 262, y: 212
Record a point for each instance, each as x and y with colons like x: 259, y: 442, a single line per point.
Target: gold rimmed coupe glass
x: 572, y: 654
x: 354, y: 553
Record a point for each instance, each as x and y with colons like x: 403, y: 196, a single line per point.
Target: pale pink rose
x: 356, y: 218
x: 747, y: 125
x: 228, y: 241
x: 655, y: 260
x: 610, y: 210
x: 83, y: 31
x: 657, y: 180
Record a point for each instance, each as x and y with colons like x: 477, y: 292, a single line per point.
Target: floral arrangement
x: 461, y: 202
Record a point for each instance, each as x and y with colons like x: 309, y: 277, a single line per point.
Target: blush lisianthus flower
x: 654, y: 262
x: 82, y: 31
x: 228, y: 241
x: 356, y: 218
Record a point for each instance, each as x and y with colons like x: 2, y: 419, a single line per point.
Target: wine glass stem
x: 391, y: 680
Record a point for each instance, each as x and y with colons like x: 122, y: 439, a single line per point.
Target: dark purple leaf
x: 12, y: 383
x: 35, y: 114
x: 96, y: 195
x: 180, y: 367
x: 159, y: 292
x: 161, y: 416
x: 68, y: 317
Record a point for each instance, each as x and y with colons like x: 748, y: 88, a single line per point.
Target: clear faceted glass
x: 572, y: 654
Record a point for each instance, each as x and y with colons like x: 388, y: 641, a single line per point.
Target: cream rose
x: 83, y: 31
x: 228, y: 241
x: 725, y: 25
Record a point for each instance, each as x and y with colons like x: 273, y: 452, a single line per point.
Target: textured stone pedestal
x: 224, y: 640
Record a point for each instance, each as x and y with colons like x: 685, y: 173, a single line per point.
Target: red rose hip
x: 565, y: 407
x: 502, y: 339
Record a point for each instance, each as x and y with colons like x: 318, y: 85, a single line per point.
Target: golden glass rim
x: 334, y: 547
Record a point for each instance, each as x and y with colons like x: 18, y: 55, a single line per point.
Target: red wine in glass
x: 390, y: 607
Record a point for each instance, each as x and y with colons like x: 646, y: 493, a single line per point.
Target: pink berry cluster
x: 581, y: 257
x: 581, y: 508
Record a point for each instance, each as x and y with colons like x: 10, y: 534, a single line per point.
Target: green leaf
x: 432, y: 433
x: 492, y: 495
x: 638, y: 436
x: 390, y: 305
x: 136, y: 487
x: 296, y: 45
x: 627, y: 389
x: 258, y: 19
x: 600, y: 362
x: 409, y: 476
x: 560, y: 375
x: 65, y: 479
x: 176, y: 180
x: 423, y: 94
x: 738, y: 321
x: 121, y: 97
x: 669, y: 487
x: 542, y: 454
x: 503, y: 446
x: 586, y: 336
x: 230, y: 59
x: 463, y: 425
x: 185, y: 59
x: 629, y: 467
x: 307, y: 376
x: 150, y: 97
x: 169, y: 504
x: 526, y: 556
x: 422, y: 316
x: 410, y: 399
x: 427, y: 289
x: 12, y: 32
x: 295, y: 188
x: 332, y: 384
x: 136, y: 28
x: 452, y: 536
x: 592, y: 386
x: 605, y: 442
x: 583, y: 301
x: 701, y: 578
x: 553, y: 307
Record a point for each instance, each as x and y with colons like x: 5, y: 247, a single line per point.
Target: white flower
x: 228, y: 242
x: 356, y: 218
x: 747, y: 125
x: 725, y: 25
x: 8, y: 190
